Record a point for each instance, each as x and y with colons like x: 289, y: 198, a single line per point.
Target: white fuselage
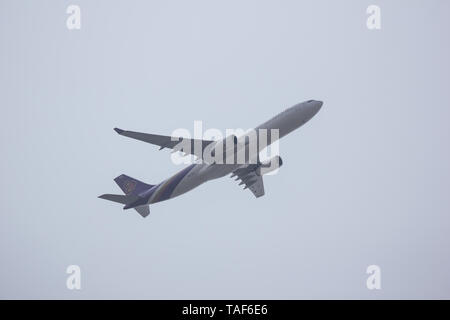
x: 198, y: 173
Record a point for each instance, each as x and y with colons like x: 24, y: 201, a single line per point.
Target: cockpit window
x: 310, y: 100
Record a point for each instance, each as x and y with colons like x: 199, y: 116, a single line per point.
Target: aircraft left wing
x: 175, y: 143
x: 251, y: 180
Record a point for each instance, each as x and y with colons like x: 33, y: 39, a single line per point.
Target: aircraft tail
x: 130, y: 185
x: 132, y: 188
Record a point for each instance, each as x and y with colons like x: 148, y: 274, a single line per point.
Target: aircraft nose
x: 315, y: 106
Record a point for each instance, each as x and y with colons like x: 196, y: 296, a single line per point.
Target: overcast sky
x: 365, y: 182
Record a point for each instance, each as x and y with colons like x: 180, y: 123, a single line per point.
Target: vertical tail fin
x: 130, y: 185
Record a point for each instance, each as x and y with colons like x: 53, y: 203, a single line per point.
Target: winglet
x: 119, y: 131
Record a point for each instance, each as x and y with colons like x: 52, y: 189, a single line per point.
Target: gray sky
x: 364, y: 182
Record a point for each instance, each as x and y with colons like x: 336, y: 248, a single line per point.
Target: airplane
x: 139, y: 195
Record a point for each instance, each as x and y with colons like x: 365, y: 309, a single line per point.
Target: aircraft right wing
x: 175, y: 143
x: 251, y: 180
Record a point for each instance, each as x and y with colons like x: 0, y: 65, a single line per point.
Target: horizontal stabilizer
x: 143, y: 210
x: 124, y: 199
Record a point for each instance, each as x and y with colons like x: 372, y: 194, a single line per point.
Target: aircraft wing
x: 185, y: 145
x: 251, y: 180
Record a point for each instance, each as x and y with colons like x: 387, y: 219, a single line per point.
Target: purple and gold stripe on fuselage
x: 166, y: 188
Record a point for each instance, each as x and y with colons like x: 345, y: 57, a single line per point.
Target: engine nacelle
x: 269, y: 166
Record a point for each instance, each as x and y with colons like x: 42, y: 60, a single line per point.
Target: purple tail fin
x: 130, y: 185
